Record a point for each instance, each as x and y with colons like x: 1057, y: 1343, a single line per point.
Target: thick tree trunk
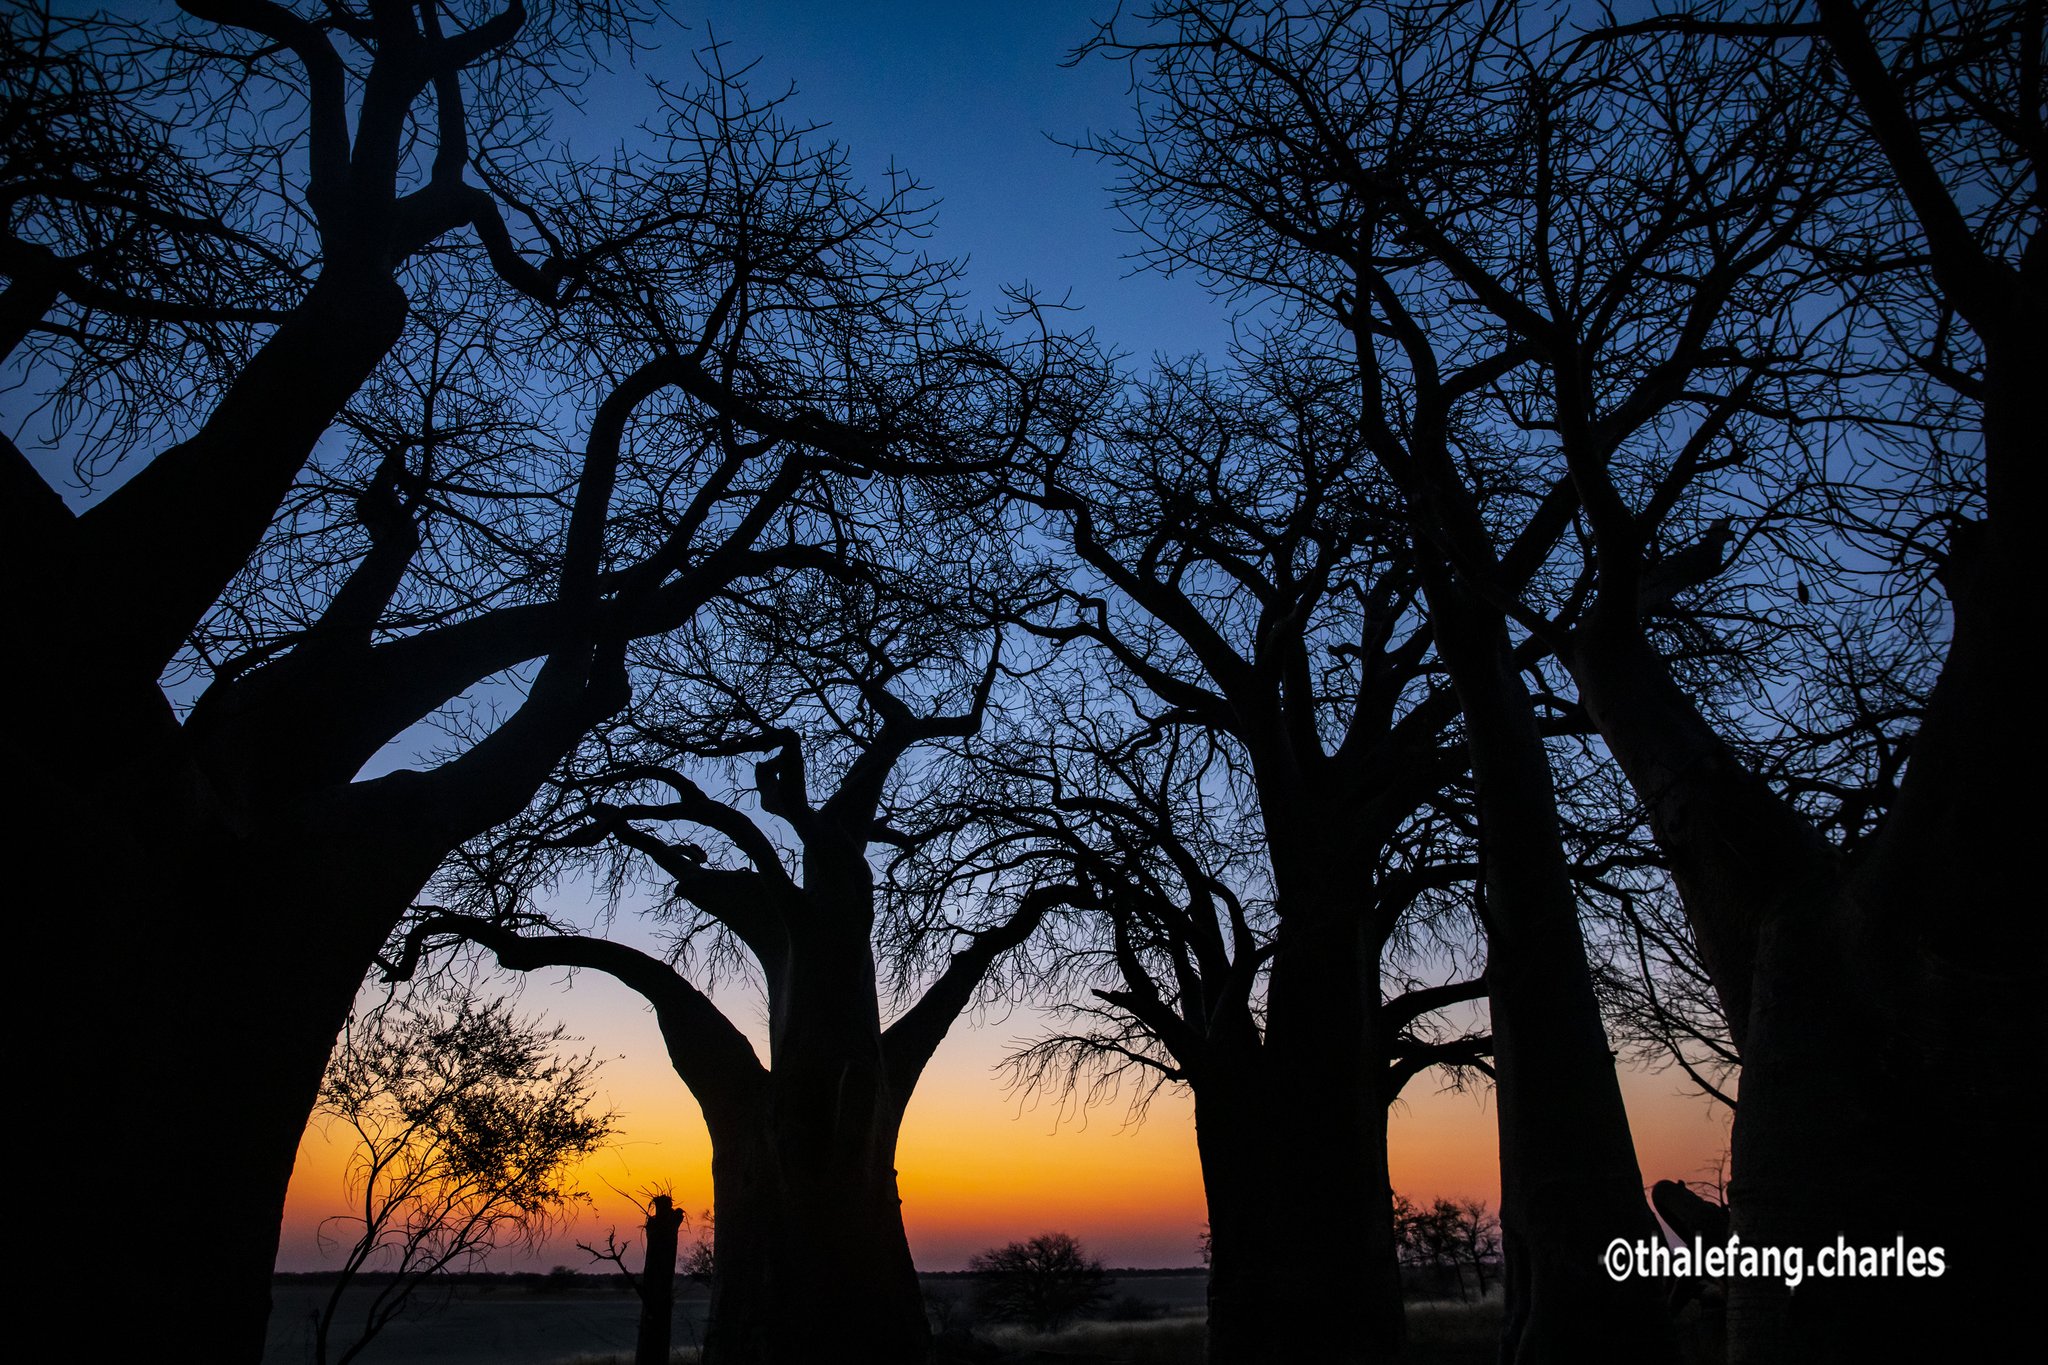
x: 811, y: 1259
x: 228, y: 939
x: 1569, y: 1179
x: 1300, y: 1220
x: 1293, y: 1132
x: 1881, y: 1005
x: 1805, y: 1128
x: 143, y: 564
x: 230, y: 976
x: 1948, y: 895
x: 224, y: 934
x: 1236, y: 1151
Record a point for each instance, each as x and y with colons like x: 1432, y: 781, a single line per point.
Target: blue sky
x: 964, y: 96
x: 968, y: 97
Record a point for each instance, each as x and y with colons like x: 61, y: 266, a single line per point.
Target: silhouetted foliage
x: 1044, y: 1283
x: 391, y: 412
x: 783, y: 761
x: 1440, y: 1243
x: 466, y: 1128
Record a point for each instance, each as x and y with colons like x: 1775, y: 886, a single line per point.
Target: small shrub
x: 1044, y: 1283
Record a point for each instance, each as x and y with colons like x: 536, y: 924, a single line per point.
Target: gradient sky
x: 965, y: 96
x: 980, y: 1166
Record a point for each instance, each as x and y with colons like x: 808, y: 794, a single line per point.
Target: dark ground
x: 555, y: 1320
x: 590, y: 1320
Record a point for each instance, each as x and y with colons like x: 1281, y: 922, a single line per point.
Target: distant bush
x: 1438, y: 1244
x: 1044, y: 1283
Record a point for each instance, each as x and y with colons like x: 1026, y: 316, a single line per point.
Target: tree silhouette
x: 1656, y: 991
x: 466, y: 1130
x: 388, y: 412
x: 1166, y: 980
x: 1439, y: 1242
x: 1675, y: 331
x: 1045, y: 1282
x: 1253, y: 613
x: 1314, y: 161
x: 1866, y: 937
x: 839, y: 705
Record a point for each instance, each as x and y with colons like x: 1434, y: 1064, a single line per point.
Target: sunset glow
x: 979, y: 1165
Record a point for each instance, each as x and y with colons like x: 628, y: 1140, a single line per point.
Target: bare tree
x: 1867, y: 938
x: 389, y: 411
x: 1284, y: 150
x: 838, y: 686
x: 1167, y: 983
x: 1430, y: 1243
x: 466, y: 1129
x: 1668, y: 300
x: 1573, y: 289
x: 1657, y: 993
x: 1253, y: 613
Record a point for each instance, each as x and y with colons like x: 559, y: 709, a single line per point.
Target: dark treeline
x: 1583, y: 609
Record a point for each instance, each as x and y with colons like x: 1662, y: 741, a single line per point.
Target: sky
x: 979, y: 1165
x: 970, y: 98
x: 964, y: 96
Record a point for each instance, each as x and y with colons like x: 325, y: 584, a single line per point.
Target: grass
x: 1440, y: 1332
x: 1175, y: 1340
x: 1449, y: 1332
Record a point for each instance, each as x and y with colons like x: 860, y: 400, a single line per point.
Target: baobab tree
x: 1873, y: 973
x: 1674, y: 262
x: 837, y: 689
x: 1165, y: 979
x: 1267, y: 142
x: 384, y: 410
x: 1231, y: 574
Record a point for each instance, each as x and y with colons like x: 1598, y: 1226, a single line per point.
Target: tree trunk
x: 1293, y: 1138
x: 1569, y: 1179
x: 226, y: 997
x: 658, y: 1283
x: 1882, y: 1036
x: 1759, y: 886
x: 1295, y: 1267
x: 811, y: 1260
x: 1947, y: 897
x: 223, y: 947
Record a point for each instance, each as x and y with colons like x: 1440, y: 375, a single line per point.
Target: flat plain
x: 534, y: 1320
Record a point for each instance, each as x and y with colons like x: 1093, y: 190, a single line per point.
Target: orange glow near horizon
x: 978, y: 1166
